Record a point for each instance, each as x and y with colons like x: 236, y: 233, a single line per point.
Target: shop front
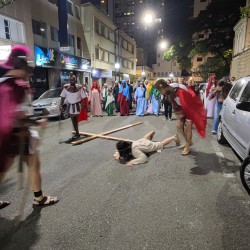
x: 53, y: 68
x: 102, y: 76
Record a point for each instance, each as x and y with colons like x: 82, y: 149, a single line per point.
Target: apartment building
x: 240, y: 65
x: 112, y: 51
x: 53, y: 63
x: 15, y: 27
x: 197, y: 60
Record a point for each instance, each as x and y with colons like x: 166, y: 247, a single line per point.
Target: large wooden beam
x: 104, y: 133
x: 105, y: 137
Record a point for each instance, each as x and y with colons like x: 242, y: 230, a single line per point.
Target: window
x: 71, y: 40
x: 102, y: 30
x: 78, y: 43
x: 162, y: 74
x: 158, y: 73
x: 245, y: 97
x: 199, y: 59
x: 200, y: 36
x: 125, y: 44
x: 97, y: 26
x: 158, y: 64
x: 174, y: 64
x: 54, y: 34
x: 7, y: 29
x: 70, y: 7
x: 77, y: 10
x: 236, y: 90
x: 55, y: 2
x: 159, y: 55
x: 97, y: 53
x: 39, y: 28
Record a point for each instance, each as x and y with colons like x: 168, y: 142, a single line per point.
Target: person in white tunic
x: 73, y: 95
x: 139, y: 148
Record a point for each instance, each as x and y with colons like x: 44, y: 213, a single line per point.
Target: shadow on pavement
x: 207, y: 163
x: 22, y: 237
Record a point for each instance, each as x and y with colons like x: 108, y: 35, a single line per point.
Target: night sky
x: 177, y: 15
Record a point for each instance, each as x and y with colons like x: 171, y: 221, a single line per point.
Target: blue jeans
x: 217, y: 109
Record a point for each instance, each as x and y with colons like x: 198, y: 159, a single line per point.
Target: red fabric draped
x: 193, y: 109
x: 83, y: 115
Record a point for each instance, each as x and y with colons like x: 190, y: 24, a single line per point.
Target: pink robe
x: 95, y: 98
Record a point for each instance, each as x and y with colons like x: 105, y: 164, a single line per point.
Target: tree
x: 4, y: 3
x: 217, y: 23
x: 179, y: 52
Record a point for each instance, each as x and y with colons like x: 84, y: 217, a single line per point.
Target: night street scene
x: 124, y: 124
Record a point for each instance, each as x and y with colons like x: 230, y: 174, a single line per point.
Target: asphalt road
x: 171, y: 202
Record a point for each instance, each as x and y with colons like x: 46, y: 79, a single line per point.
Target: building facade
x: 54, y: 63
x: 165, y: 69
x: 240, y: 65
x: 112, y: 51
x: 197, y: 60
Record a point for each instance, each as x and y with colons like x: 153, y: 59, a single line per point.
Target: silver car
x: 234, y: 126
x: 49, y: 104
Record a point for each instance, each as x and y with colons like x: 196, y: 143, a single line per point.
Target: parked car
x: 234, y: 126
x: 202, y: 87
x: 49, y: 104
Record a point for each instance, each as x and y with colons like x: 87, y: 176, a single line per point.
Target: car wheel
x: 220, y: 137
x: 245, y: 174
x: 64, y: 113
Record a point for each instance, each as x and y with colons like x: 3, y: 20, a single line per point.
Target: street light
x: 117, y: 67
x: 163, y: 44
x: 148, y: 18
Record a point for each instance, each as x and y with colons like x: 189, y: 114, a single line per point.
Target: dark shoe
x: 4, y: 204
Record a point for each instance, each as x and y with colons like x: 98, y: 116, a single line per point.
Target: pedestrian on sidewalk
x: 138, y: 149
x: 188, y: 109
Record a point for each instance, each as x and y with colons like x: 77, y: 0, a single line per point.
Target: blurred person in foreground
x: 188, y: 109
x: 17, y: 133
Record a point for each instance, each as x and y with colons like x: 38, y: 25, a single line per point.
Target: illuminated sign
x: 101, y: 73
x: 4, y: 52
x: 50, y: 58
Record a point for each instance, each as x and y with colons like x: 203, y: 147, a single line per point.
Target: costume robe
x: 95, y: 98
x: 123, y: 99
x: 109, y: 104
x: 140, y: 101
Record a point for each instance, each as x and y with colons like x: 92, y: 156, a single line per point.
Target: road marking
x: 221, y: 160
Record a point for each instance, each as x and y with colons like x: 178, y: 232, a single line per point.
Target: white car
x: 234, y: 126
x: 49, y: 104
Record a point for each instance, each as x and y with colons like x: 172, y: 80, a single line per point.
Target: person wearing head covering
x: 73, y: 95
x: 109, y: 103
x: 154, y: 99
x: 104, y: 94
x: 140, y: 100
x: 115, y: 94
x: 17, y: 133
x: 123, y: 98
x: 95, y: 98
x: 188, y: 109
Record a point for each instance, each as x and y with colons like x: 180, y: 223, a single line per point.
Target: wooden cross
x: 103, y: 135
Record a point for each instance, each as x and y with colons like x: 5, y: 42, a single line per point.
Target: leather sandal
x: 46, y: 201
x: 185, y: 151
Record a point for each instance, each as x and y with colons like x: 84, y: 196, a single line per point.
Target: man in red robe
x: 188, y: 109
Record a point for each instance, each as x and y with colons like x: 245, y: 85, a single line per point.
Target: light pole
x: 117, y: 67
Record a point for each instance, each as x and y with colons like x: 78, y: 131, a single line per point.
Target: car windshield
x: 52, y: 93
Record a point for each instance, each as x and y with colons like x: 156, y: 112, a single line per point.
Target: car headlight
x: 55, y: 103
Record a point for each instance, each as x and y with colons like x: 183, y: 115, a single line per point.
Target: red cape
x: 83, y: 116
x: 193, y: 108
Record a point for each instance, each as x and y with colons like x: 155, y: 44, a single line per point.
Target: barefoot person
x: 73, y: 95
x: 139, y: 148
x: 15, y: 127
x: 188, y: 108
